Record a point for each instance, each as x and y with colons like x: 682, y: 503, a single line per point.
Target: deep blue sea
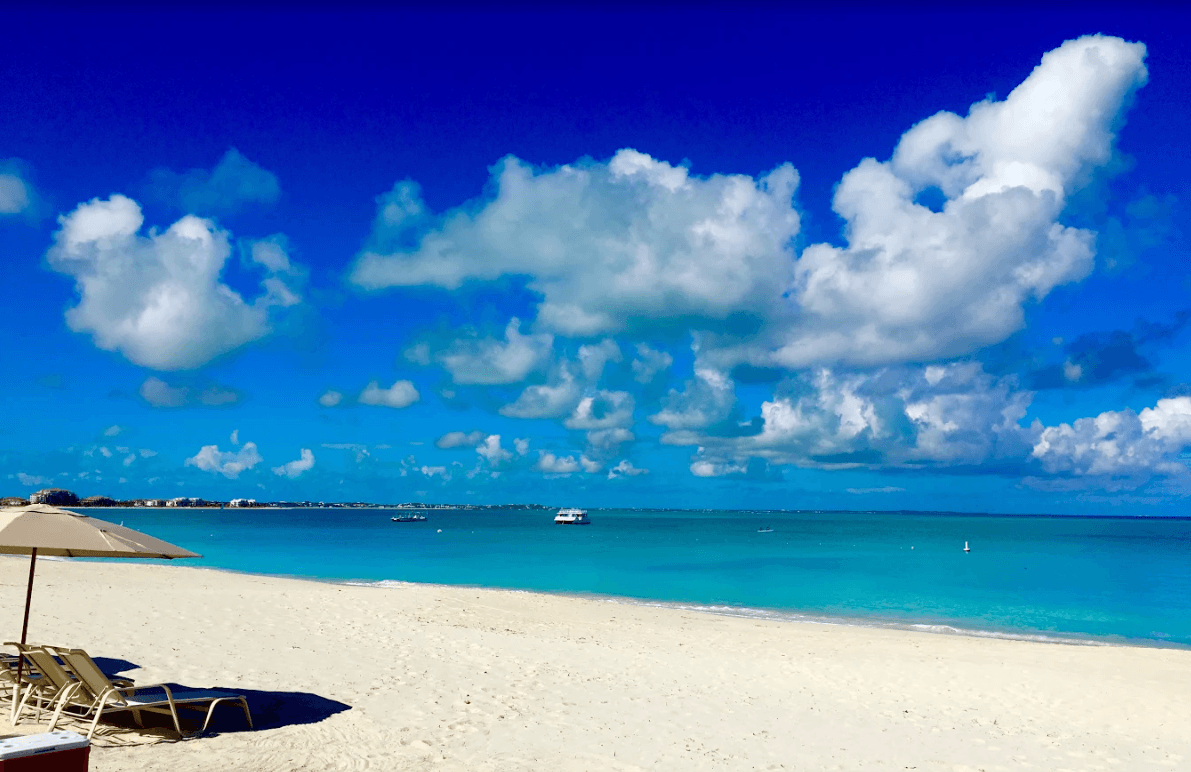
x: 1093, y: 579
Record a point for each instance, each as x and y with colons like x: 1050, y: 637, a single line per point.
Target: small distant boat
x: 408, y: 518
x: 572, y: 517
x: 967, y: 548
x: 764, y: 529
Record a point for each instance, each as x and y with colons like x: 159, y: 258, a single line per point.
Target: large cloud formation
x: 158, y: 299
x: 617, y: 246
x: 915, y: 284
x: 605, y: 243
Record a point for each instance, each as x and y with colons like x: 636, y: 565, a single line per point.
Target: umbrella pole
x: 16, y: 689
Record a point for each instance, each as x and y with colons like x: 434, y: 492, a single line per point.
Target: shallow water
x: 1096, y: 579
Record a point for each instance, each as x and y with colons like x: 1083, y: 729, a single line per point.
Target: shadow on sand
x: 270, y: 710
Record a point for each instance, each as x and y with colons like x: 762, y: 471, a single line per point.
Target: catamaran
x: 571, y: 517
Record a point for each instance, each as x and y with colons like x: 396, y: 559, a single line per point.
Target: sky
x: 816, y: 259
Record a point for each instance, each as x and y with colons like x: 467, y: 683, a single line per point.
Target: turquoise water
x: 1115, y: 579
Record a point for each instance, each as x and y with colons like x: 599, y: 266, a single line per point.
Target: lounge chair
x: 45, y: 680
x: 95, y: 694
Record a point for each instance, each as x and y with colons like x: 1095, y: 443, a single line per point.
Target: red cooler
x: 47, y: 752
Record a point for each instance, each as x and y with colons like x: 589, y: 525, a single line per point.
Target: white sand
x: 463, y: 679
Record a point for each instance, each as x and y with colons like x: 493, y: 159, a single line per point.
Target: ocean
x: 1079, y: 579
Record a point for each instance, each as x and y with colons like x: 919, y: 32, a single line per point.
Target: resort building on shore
x: 57, y: 497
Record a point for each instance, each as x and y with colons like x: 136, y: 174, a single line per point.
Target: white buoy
x: 440, y: 530
x: 967, y: 548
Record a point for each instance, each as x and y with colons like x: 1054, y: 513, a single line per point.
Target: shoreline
x: 423, y: 676
x: 779, y: 615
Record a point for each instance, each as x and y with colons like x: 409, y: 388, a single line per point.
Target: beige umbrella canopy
x: 45, y: 530
x: 39, y: 529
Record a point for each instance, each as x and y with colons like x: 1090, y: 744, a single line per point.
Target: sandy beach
x: 430, y: 677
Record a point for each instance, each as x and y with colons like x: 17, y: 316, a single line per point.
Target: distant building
x: 13, y: 501
x: 97, y: 501
x: 182, y: 501
x: 57, y: 497
x: 242, y: 503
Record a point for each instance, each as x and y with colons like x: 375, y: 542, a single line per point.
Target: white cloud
x: 460, y: 440
x: 552, y: 464
x: 30, y: 480
x: 491, y: 451
x: 229, y: 464
x: 361, y: 451
x: 883, y: 489
x: 330, y: 398
x: 14, y: 193
x: 948, y: 415
x: 593, y: 358
x: 294, y: 469
x: 604, y: 243
x: 113, y: 430
x: 649, y: 363
x: 158, y: 393
x: 233, y: 183
x: 235, y: 438
x: 708, y: 399
x: 617, y: 246
x: 552, y: 400
x: 435, y: 471
x: 489, y: 361
x: 605, y: 443
x: 602, y: 410
x: 1120, y: 444
x: 521, y: 445
x: 916, y: 284
x: 704, y: 468
x: 157, y: 299
x: 625, y: 469
x: 400, y: 394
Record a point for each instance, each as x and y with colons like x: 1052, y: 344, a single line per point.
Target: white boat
x: 572, y: 517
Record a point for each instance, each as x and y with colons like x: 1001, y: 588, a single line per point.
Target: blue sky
x: 854, y: 260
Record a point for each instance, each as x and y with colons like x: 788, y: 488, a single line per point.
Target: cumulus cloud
x: 330, y: 398
x: 521, y: 445
x: 602, y: 410
x: 604, y: 243
x: 707, y: 399
x: 400, y: 394
x: 158, y: 393
x: 158, y: 299
x: 1120, y: 444
x: 234, y: 183
x: 490, y: 361
x: 914, y: 283
x: 550, y: 400
x: 941, y: 415
x: 625, y: 469
x: 491, y: 451
x: 621, y: 245
x: 550, y: 464
x: 294, y: 469
x: 15, y: 194
x: 227, y: 463
x: 460, y: 440
x: 593, y: 358
x: 649, y: 363
x: 113, y: 430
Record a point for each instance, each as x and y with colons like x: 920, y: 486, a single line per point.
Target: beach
x: 415, y: 676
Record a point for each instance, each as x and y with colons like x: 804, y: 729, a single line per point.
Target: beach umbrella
x: 39, y: 529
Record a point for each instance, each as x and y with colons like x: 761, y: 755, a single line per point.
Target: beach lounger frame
x: 96, y: 695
